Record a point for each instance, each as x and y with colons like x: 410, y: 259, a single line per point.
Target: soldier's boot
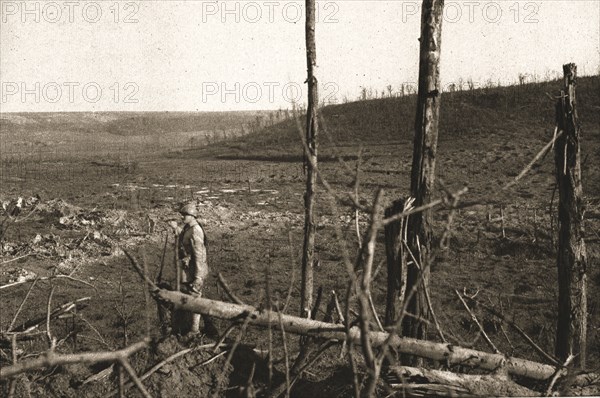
x: 195, y: 324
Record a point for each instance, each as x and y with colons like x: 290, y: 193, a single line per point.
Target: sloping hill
x: 505, y: 111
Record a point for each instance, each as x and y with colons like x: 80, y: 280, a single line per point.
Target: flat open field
x: 92, y: 203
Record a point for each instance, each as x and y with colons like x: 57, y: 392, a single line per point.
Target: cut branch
x: 474, y: 318
x: 520, y: 331
x: 443, y: 383
x: 165, y: 361
x: 227, y: 290
x: 29, y: 325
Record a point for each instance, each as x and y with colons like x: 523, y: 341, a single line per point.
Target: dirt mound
x: 200, y: 373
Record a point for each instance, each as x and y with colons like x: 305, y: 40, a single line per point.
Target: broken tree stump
x: 571, y: 260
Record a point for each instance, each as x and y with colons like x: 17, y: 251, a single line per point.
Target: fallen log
x: 32, y: 324
x: 443, y: 383
x: 452, y: 354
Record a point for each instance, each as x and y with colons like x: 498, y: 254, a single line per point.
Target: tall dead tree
x: 420, y: 234
x: 572, y: 259
x: 311, y: 155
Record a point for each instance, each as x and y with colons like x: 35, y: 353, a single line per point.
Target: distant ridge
x: 124, y: 123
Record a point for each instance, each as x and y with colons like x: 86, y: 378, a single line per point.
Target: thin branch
x: 227, y: 290
x: 16, y: 258
x: 427, y: 296
x: 69, y: 277
x: 322, y: 178
x: 474, y: 318
x: 138, y: 383
x: 537, y: 348
x: 98, y: 376
x: 235, y: 345
x: 13, y: 383
x: 223, y: 337
x: 162, y: 258
x: 101, y: 339
x: 250, y: 391
x: 357, y: 198
x: 512, y: 347
x: 121, y: 381
x: 293, y: 278
x: 285, y: 352
x: 146, y: 297
x: 365, y: 292
x: 51, y: 340
x: 393, y: 331
x: 312, y: 361
x: 328, y: 317
x: 355, y: 382
x: 12, y: 323
x: 453, y: 201
x: 435, y: 320
x: 211, y: 359
x: 374, y: 311
x: 352, y: 276
x: 337, y: 307
x: 52, y: 359
x: 559, y: 372
x: 540, y: 154
x: 176, y: 261
x: 139, y: 270
x: 419, y: 209
x: 270, y: 331
x: 336, y: 153
x: 366, y: 282
x: 341, y: 243
x: 171, y: 358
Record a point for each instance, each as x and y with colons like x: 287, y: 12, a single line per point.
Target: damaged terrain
x: 65, y: 279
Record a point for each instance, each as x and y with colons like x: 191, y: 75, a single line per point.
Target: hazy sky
x: 236, y: 55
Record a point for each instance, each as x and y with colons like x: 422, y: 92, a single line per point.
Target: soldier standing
x: 192, y: 244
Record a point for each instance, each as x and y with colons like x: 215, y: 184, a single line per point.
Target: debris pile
x: 13, y: 208
x: 71, y: 234
x: 14, y: 276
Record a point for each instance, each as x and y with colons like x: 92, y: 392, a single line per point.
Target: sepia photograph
x: 299, y: 198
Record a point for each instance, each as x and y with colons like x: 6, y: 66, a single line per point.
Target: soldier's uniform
x: 192, y: 253
x: 192, y: 243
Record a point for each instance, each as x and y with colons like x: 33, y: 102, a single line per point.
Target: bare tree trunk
x: 396, y: 263
x: 572, y: 261
x: 311, y: 177
x: 307, y: 346
x: 423, y: 168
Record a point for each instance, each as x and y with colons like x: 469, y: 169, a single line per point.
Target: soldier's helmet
x: 189, y: 209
